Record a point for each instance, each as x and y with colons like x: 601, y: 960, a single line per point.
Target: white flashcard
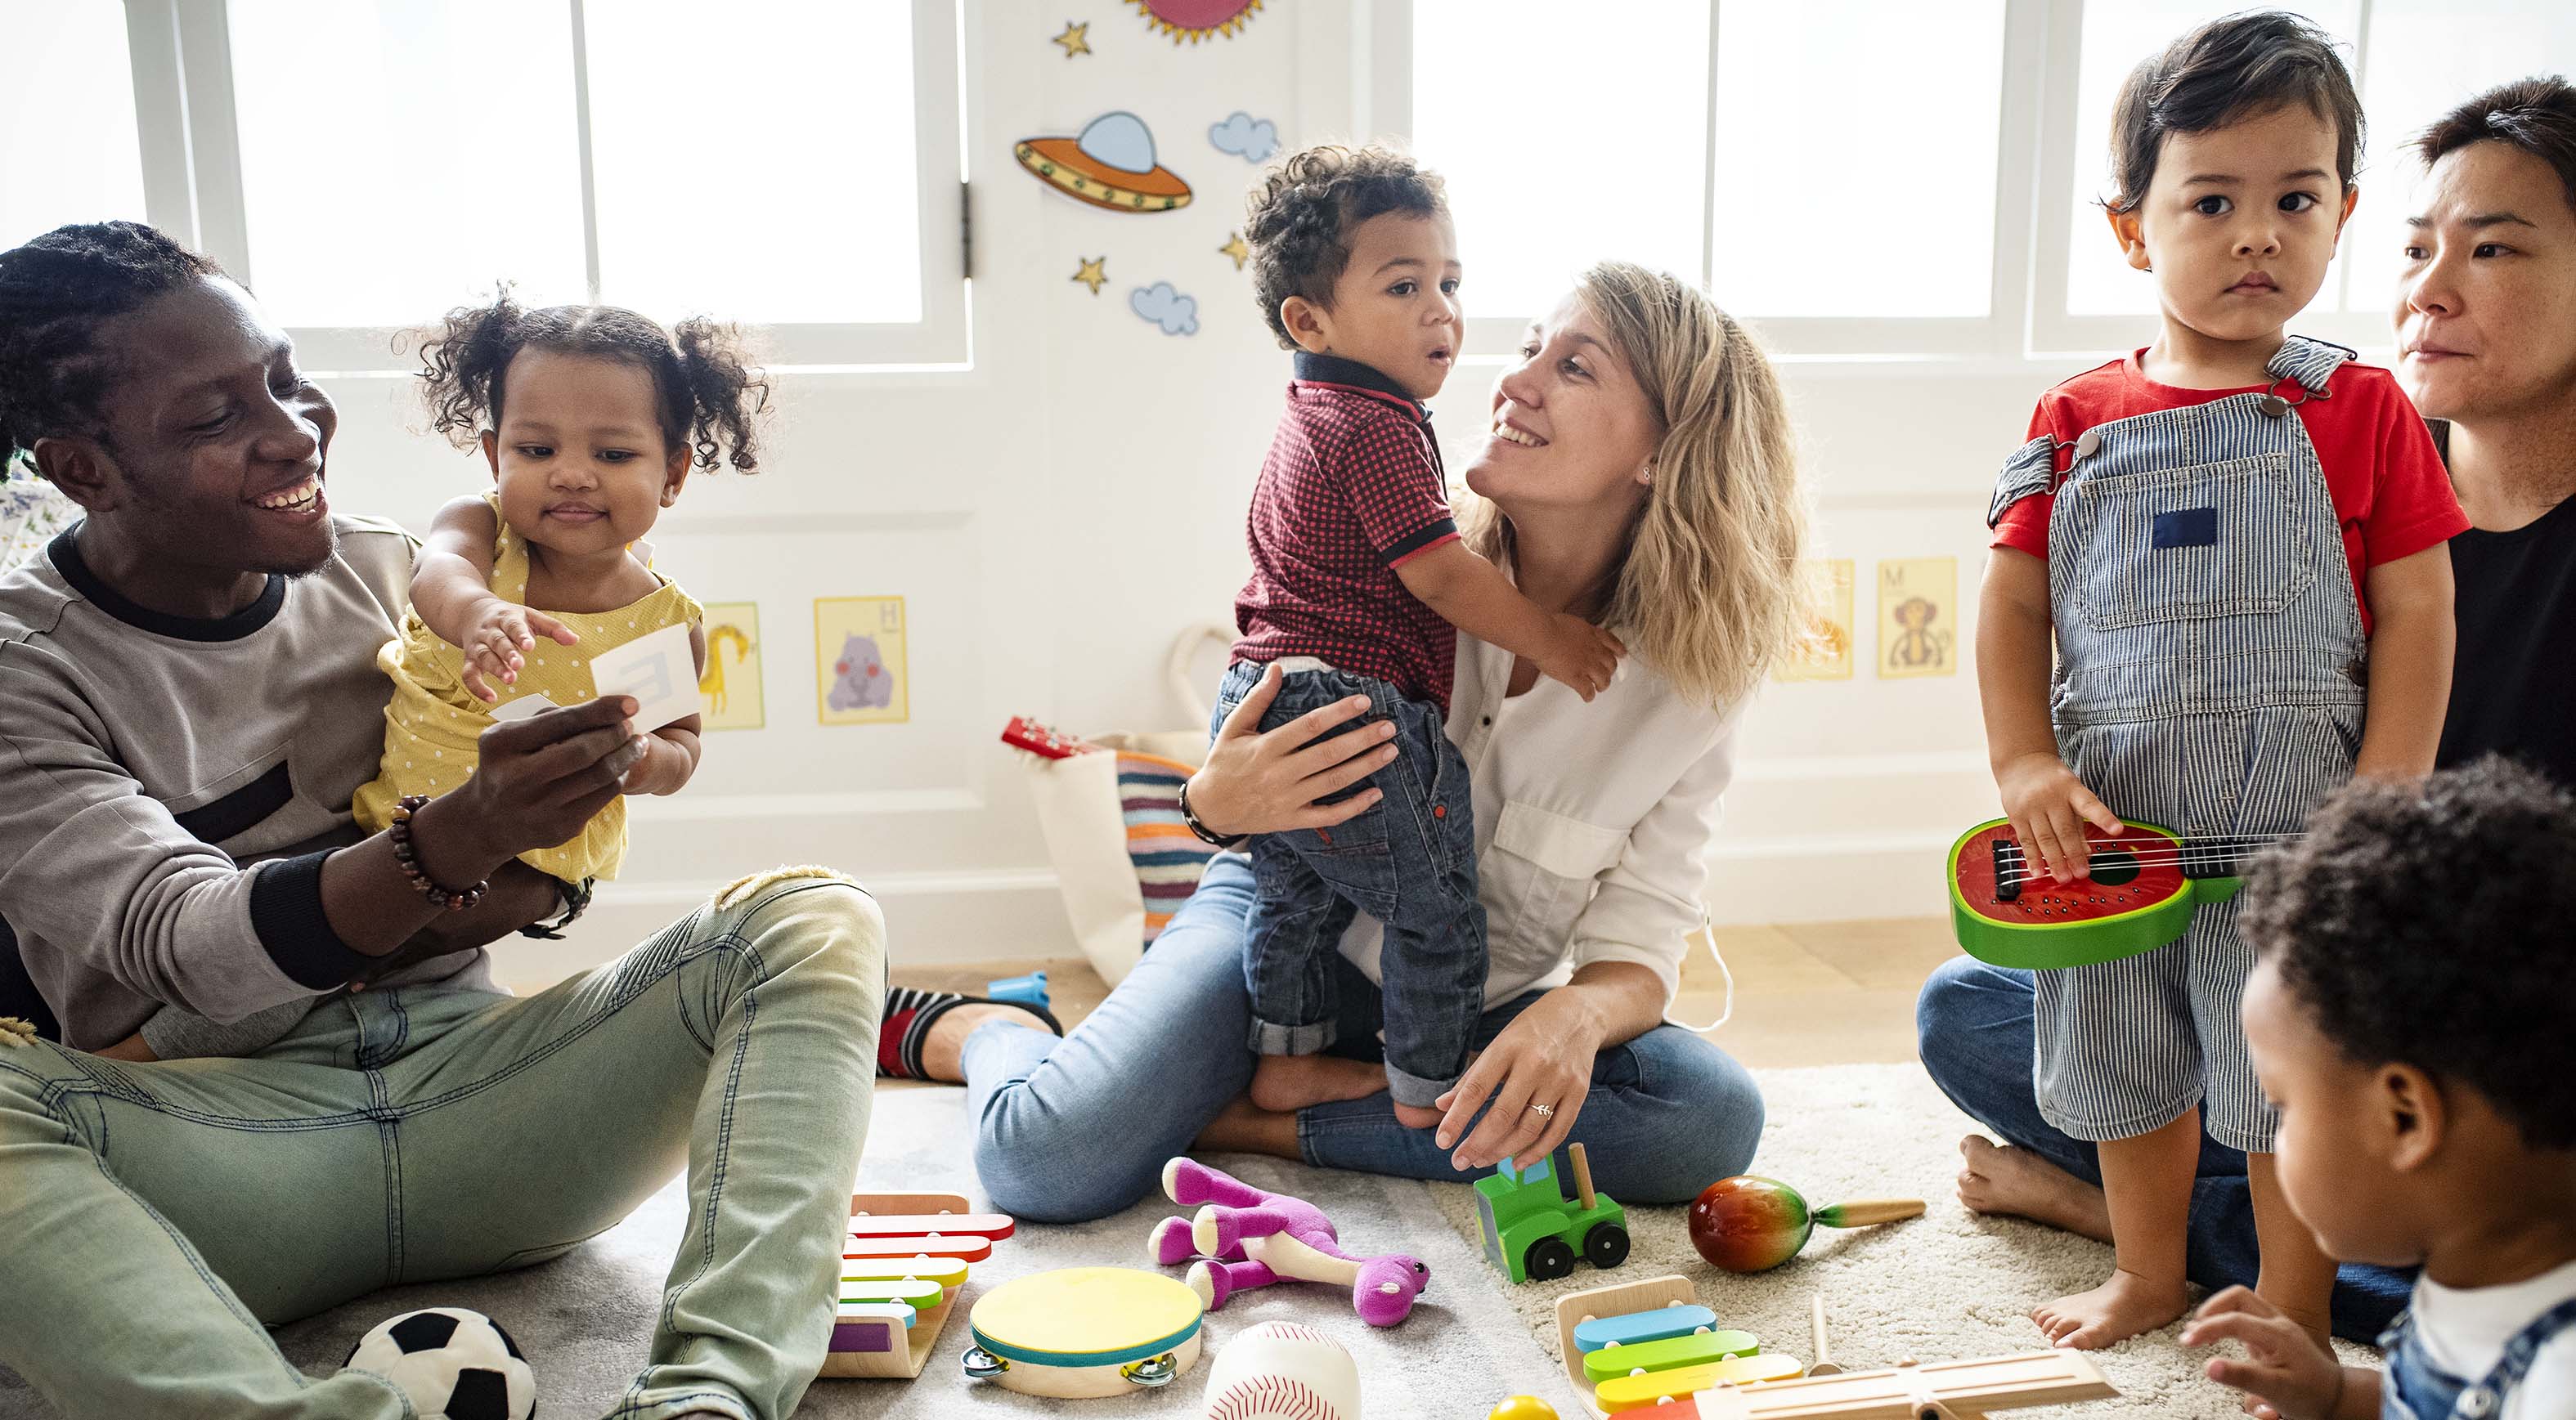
x: 658, y: 670
x: 523, y: 707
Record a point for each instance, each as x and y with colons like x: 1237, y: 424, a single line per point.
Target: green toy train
x: 1533, y: 1231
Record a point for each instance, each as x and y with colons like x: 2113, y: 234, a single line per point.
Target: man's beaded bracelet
x: 408, y: 857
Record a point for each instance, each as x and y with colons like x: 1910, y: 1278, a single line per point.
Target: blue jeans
x: 1976, y: 1034
x: 1408, y: 860
x: 1074, y: 1129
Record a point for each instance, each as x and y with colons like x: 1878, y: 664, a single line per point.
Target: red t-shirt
x: 1352, y: 490
x: 2390, y: 491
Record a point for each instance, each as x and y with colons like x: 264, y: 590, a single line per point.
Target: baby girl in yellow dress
x: 591, y: 418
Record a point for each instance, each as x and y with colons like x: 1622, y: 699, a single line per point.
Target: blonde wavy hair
x: 1709, y: 591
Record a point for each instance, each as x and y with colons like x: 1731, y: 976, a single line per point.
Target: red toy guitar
x: 1025, y: 733
x: 2006, y: 909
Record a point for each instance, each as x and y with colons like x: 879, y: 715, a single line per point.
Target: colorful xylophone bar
x: 903, y: 1262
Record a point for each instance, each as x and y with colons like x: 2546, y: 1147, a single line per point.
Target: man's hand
x: 1580, y: 654
x: 2286, y: 1375
x: 2050, y: 809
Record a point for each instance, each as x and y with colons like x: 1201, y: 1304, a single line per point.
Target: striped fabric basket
x: 1168, y: 857
x: 1124, y: 861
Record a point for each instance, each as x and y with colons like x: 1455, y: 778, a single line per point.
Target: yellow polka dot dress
x: 433, y: 721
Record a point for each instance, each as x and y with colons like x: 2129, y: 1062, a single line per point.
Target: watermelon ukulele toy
x: 2006, y: 909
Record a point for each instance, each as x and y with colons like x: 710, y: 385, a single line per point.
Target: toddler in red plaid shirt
x: 1359, y: 586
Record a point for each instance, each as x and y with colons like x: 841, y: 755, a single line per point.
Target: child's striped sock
x: 910, y: 1012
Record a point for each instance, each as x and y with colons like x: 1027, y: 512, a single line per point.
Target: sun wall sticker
x: 1196, y: 20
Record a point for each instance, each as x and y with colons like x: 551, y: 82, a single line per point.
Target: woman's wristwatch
x: 1206, y: 835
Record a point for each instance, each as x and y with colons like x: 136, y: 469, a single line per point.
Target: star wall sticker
x: 1076, y: 39
x: 1094, y: 273
x: 1235, y: 248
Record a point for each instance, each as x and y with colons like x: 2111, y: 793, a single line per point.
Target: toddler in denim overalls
x: 2204, y: 530
x: 2418, y: 1035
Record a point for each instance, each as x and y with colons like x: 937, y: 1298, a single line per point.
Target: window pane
x: 1798, y: 98
x: 795, y: 199
x: 398, y: 156
x: 2117, y: 38
x: 1564, y: 139
x: 2426, y: 57
x: 66, y: 118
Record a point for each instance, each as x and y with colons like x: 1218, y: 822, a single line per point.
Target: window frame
x: 1996, y: 334
x: 2028, y: 320
x: 181, y: 53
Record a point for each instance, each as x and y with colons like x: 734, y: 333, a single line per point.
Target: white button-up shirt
x: 1592, y: 821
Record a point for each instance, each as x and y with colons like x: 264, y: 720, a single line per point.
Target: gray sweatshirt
x: 169, y: 787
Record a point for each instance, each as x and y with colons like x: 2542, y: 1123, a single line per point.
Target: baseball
x: 1280, y: 1370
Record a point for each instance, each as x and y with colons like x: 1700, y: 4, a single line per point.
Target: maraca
x: 1749, y: 1224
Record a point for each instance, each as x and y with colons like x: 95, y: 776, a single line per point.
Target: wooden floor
x: 1823, y: 993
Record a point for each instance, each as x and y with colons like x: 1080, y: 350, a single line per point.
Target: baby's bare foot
x: 2017, y: 1183
x: 2125, y: 1306
x: 1284, y: 1084
x: 1418, y: 1116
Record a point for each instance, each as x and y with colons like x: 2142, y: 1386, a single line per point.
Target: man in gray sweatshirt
x: 188, y: 698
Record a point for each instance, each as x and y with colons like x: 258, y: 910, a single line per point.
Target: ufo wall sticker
x: 1195, y: 20
x: 1110, y: 165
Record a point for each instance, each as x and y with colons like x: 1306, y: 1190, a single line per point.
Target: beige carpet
x: 1945, y: 1286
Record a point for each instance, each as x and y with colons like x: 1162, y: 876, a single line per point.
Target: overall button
x: 2088, y: 443
x: 2273, y: 406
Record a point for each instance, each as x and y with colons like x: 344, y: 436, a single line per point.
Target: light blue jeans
x: 154, y: 1219
x: 1078, y: 1128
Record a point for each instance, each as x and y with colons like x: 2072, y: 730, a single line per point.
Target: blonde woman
x: 1639, y: 474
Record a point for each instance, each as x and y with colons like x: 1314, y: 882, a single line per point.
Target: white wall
x: 1056, y: 514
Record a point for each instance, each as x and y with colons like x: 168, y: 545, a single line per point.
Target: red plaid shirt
x: 1351, y: 490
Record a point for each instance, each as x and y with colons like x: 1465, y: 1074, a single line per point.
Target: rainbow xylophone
x: 902, y: 1264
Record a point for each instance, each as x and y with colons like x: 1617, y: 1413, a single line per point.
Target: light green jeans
x: 155, y: 1218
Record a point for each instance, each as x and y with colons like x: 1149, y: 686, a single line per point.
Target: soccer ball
x: 453, y: 1363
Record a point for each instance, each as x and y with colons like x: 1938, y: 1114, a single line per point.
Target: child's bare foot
x: 2017, y: 1183
x: 943, y: 1045
x: 1284, y: 1084
x: 2127, y: 1305
x: 1418, y: 1116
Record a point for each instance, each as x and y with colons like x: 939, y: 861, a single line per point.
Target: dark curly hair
x: 709, y: 399
x: 2229, y: 69
x: 55, y: 293
x: 1301, y: 214
x: 2426, y: 923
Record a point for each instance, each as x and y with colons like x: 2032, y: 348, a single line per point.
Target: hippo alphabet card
x: 859, y: 669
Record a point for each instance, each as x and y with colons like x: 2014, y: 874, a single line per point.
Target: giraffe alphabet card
x: 731, y: 685
x: 859, y: 668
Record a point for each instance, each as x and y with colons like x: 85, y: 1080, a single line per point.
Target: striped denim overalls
x: 2416, y: 1389
x: 2210, y: 679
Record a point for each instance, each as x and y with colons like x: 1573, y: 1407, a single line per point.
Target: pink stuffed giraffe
x: 1246, y: 1238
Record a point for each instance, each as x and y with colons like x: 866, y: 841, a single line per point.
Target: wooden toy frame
x: 903, y: 1363
x: 1617, y: 1299
x: 1941, y: 1390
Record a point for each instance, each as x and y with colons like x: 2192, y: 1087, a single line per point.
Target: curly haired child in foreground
x: 2413, y: 1018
